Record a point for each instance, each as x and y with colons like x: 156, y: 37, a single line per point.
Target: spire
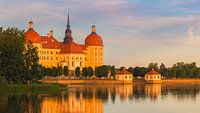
x: 68, y: 21
x: 30, y: 24
x: 68, y: 32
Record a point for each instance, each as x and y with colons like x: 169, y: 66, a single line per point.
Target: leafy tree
x: 65, y: 70
x: 131, y: 70
x: 113, y: 71
x: 59, y: 71
x: 11, y: 54
x: 163, y: 70
x: 180, y: 73
x: 90, y: 71
x: 172, y: 72
x: 53, y: 71
x: 104, y: 70
x: 77, y: 71
x: 31, y: 66
x: 84, y: 72
x: 98, y: 72
x: 153, y: 65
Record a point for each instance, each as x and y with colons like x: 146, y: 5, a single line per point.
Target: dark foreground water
x: 146, y: 98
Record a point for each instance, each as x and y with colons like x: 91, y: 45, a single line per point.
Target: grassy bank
x: 34, y: 88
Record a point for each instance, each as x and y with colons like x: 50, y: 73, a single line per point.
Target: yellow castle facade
x: 53, y: 53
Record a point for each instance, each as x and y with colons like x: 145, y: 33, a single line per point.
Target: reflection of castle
x: 71, y: 104
x: 84, y: 99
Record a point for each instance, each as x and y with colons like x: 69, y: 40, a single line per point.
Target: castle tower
x: 68, y: 32
x: 94, y: 53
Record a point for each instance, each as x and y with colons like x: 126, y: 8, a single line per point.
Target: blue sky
x: 135, y: 32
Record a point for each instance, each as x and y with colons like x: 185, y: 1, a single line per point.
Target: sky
x: 134, y: 32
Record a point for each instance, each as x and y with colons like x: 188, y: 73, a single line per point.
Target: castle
x: 53, y: 53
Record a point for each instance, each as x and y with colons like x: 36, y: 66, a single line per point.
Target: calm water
x: 182, y: 98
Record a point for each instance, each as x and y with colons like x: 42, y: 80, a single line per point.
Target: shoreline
x: 113, y: 82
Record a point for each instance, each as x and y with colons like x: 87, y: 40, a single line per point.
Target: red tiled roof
x: 93, y: 40
x: 83, y: 47
x: 50, y: 42
x: 32, y: 36
x: 71, y: 47
x: 120, y: 72
x: 152, y: 72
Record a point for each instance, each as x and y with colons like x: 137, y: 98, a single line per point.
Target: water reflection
x: 91, y: 99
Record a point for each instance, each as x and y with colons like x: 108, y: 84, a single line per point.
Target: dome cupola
x: 31, y: 35
x: 93, y: 39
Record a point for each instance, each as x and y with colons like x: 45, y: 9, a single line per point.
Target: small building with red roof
x: 124, y: 75
x: 152, y: 77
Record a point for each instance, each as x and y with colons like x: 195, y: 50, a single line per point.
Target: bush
x: 3, y: 81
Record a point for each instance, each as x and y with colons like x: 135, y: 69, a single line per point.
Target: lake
x: 138, y: 98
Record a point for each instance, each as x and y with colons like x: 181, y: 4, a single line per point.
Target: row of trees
x: 178, y: 70
x: 101, y: 71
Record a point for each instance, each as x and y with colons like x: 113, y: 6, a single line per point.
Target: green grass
x: 34, y: 88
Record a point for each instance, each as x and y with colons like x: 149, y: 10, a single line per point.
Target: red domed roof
x: 93, y: 40
x: 32, y: 36
x: 72, y: 47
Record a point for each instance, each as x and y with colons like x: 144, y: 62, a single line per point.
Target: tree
x: 163, y: 70
x: 131, y: 70
x: 98, y: 72
x: 11, y: 54
x: 172, y: 72
x: 153, y: 66
x: 113, y: 71
x: 104, y: 70
x: 77, y: 71
x: 65, y: 70
x: 53, y: 71
x: 90, y: 71
x: 31, y: 66
x: 59, y: 71
x: 84, y: 72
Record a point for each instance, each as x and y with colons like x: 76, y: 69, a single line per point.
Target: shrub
x: 3, y: 81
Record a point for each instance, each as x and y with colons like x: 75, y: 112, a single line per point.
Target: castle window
x: 47, y: 58
x: 56, y: 58
x: 56, y: 52
x: 51, y: 58
x: 47, y: 52
x: 51, y: 52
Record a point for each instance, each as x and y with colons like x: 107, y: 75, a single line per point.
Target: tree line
x: 101, y: 71
x: 178, y: 70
